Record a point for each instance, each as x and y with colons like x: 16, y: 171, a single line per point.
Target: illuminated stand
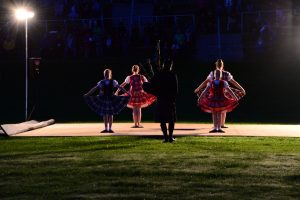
x: 23, y: 14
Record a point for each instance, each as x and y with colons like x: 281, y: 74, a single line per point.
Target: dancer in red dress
x: 238, y: 90
x: 139, y: 98
x: 213, y: 100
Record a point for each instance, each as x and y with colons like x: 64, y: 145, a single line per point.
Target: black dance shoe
x: 213, y: 131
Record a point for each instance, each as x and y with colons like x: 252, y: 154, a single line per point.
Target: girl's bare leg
x: 223, y: 118
x: 135, y: 116
x: 218, y: 120
x: 139, y: 115
x: 110, y: 121
x: 105, y: 120
x: 214, y: 118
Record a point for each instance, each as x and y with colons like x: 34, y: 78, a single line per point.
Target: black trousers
x: 164, y: 129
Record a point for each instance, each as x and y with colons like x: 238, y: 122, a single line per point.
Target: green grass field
x: 145, y: 168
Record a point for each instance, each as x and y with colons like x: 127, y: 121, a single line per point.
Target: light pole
x: 23, y: 14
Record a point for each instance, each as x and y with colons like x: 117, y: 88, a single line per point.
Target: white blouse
x: 127, y: 80
x: 211, y: 76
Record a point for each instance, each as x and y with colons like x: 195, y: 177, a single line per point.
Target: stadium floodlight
x: 23, y: 14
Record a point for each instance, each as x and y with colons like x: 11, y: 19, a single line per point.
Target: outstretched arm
x: 236, y: 84
x: 204, y: 92
x: 91, y: 91
x: 119, y: 88
x: 232, y: 93
x: 202, y: 85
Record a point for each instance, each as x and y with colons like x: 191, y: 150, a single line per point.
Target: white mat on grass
x: 12, y: 129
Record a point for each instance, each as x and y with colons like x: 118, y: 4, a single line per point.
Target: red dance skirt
x: 225, y: 104
x: 140, y: 99
x: 210, y: 105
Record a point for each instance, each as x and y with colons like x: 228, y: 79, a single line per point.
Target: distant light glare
x: 23, y: 14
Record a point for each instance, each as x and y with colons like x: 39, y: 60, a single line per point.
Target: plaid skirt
x: 207, y: 104
x: 223, y: 105
x: 238, y: 93
x: 140, y: 99
x: 106, y: 105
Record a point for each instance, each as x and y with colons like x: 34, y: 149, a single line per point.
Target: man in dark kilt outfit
x: 164, y: 86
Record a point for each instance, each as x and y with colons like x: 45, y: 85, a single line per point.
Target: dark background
x: 262, y: 54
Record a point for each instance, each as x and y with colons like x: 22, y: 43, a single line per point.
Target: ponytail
x: 220, y: 64
x: 215, y: 74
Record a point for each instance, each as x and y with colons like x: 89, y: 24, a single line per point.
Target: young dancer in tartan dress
x: 106, y: 104
x: 213, y: 100
x: 139, y: 98
x: 226, y: 76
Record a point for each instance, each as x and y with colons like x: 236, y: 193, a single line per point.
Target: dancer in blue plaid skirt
x: 106, y: 104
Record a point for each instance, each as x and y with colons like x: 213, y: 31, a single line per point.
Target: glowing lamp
x: 23, y: 14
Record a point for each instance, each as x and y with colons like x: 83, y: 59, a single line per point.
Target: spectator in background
x: 73, y: 14
x: 70, y: 49
x: 96, y: 10
x: 59, y: 9
x: 175, y: 49
x: 97, y: 34
x: 60, y: 45
x: 108, y: 45
x: 179, y: 43
x: 265, y: 39
x: 228, y: 6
